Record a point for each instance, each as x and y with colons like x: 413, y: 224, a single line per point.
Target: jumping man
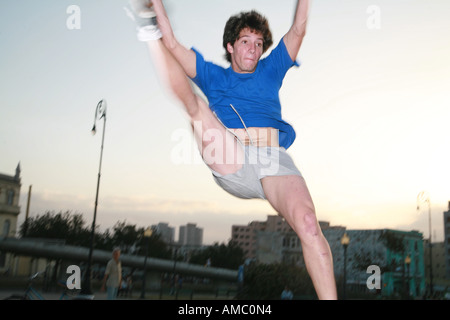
x: 241, y: 134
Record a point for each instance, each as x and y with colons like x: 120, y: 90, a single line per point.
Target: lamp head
x: 423, y: 196
x: 345, y: 240
x: 148, y: 232
x: 408, y: 259
x: 101, y: 109
x: 100, y: 112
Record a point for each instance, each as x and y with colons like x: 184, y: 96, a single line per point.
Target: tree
x: 65, y: 226
x: 228, y: 256
x: 365, y: 257
x: 71, y: 228
x: 126, y: 236
x: 156, y: 246
x: 395, y: 243
x: 267, y: 281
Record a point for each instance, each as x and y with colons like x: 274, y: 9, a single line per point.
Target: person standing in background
x: 113, y: 275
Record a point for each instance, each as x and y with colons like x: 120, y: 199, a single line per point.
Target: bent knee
x: 309, y: 228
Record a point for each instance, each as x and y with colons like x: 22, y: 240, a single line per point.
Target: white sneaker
x: 145, y: 18
x: 143, y: 8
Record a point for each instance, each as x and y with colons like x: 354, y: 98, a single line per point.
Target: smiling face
x: 246, y: 51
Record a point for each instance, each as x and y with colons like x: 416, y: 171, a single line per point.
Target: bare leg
x: 290, y: 197
x: 219, y: 148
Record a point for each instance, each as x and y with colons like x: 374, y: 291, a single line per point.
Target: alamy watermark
x: 74, y: 280
x: 374, y: 280
x: 73, y: 21
x: 374, y: 20
x: 219, y: 147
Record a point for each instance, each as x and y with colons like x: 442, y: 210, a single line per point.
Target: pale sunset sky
x: 370, y: 105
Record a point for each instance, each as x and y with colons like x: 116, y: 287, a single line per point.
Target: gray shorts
x: 260, y: 162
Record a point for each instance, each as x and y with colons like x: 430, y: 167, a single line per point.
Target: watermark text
x: 73, y: 21
x: 74, y: 280
x: 374, y: 280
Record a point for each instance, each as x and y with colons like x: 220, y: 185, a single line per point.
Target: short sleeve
x: 280, y: 60
x: 202, y: 73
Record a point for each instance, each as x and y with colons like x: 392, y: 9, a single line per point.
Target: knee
x: 308, y: 227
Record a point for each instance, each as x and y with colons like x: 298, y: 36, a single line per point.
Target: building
x: 273, y: 241
x: 9, y: 210
x: 250, y: 238
x: 438, y: 276
x: 439, y: 265
x: 167, y: 233
x: 190, y: 236
x: 398, y: 254
x: 381, y: 248
x: 447, y: 241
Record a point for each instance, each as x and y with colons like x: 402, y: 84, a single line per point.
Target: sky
x: 370, y: 105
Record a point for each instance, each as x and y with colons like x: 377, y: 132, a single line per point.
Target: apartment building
x: 447, y: 241
x: 9, y: 210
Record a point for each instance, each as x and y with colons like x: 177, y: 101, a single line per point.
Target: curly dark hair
x: 252, y: 20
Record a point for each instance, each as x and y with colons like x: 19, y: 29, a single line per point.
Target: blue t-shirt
x: 255, y: 96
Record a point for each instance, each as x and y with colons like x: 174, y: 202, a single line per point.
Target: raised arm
x: 185, y: 57
x: 294, y: 38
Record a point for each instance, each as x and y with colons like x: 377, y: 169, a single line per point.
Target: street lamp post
x: 425, y: 197
x: 100, y: 112
x: 408, y: 263
x: 147, y: 234
x: 345, y: 240
x: 173, y: 289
